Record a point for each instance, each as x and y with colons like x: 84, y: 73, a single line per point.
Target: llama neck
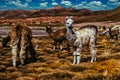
x: 104, y: 32
x: 70, y: 34
x: 51, y: 35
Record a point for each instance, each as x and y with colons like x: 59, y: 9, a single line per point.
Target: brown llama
x: 58, y: 36
x: 20, y: 43
x: 5, y: 41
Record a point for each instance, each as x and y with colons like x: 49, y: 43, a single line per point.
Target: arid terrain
x: 57, y: 64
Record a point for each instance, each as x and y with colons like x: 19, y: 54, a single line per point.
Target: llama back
x: 15, y: 35
x: 90, y: 27
x: 61, y: 33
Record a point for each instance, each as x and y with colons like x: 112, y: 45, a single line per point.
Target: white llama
x: 86, y: 35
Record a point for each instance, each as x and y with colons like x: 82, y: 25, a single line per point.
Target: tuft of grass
x: 2, y: 76
x: 74, y: 68
x: 10, y: 69
x: 13, y: 75
x: 60, y: 75
x: 2, y: 68
x: 89, y: 76
x: 25, y: 78
x: 36, y: 65
x: 38, y: 70
x: 108, y: 57
x: 107, y: 68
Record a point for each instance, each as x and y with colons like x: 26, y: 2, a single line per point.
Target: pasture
x: 57, y: 64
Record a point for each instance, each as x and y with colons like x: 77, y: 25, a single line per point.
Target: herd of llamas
x: 20, y: 38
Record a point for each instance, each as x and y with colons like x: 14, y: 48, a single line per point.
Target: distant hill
x: 83, y: 15
x: 109, y: 15
x: 55, y: 11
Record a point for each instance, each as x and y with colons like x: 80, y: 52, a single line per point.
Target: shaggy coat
x: 86, y: 35
x: 20, y: 43
x: 5, y: 41
x: 58, y: 36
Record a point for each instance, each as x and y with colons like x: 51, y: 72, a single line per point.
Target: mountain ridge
x: 83, y: 15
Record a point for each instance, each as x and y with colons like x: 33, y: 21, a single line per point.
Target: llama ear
x: 71, y: 17
x: 66, y: 18
x: 12, y: 24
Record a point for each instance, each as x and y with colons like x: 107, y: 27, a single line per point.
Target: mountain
x: 109, y: 15
x: 57, y: 8
x: 83, y: 15
x: 55, y: 11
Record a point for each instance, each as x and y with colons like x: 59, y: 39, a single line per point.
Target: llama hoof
x: 73, y: 63
x: 23, y: 62
x: 14, y: 64
x: 91, y: 61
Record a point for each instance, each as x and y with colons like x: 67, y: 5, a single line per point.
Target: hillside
x: 55, y: 11
x: 111, y: 15
x: 58, y: 13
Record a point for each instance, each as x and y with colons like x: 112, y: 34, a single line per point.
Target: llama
x: 86, y: 35
x: 5, y: 41
x: 58, y: 36
x: 113, y: 32
x: 20, y: 43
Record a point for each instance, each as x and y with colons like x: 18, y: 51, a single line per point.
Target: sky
x: 45, y: 4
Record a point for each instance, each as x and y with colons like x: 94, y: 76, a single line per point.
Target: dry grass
x: 60, y: 75
x: 57, y: 64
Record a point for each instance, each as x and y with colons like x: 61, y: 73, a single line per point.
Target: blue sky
x: 44, y: 4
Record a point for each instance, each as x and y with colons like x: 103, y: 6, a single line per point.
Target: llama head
x: 69, y: 21
x: 5, y: 41
x: 49, y: 29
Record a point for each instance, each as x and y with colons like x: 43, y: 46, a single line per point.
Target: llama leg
x: 93, y: 53
x: 22, y: 55
x: 14, y: 55
x: 78, y: 55
x: 74, y: 58
x: 54, y: 45
x: 61, y: 47
x: 32, y: 52
x: 78, y: 59
x: 68, y: 47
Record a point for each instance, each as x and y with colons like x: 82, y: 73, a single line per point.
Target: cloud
x: 54, y: 3
x: 113, y: 0
x: 28, y: 0
x: 66, y: 3
x: 79, y: 6
x: 98, y: 3
x: 43, y: 5
x: 113, y: 3
x: 93, y: 5
x: 18, y: 3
